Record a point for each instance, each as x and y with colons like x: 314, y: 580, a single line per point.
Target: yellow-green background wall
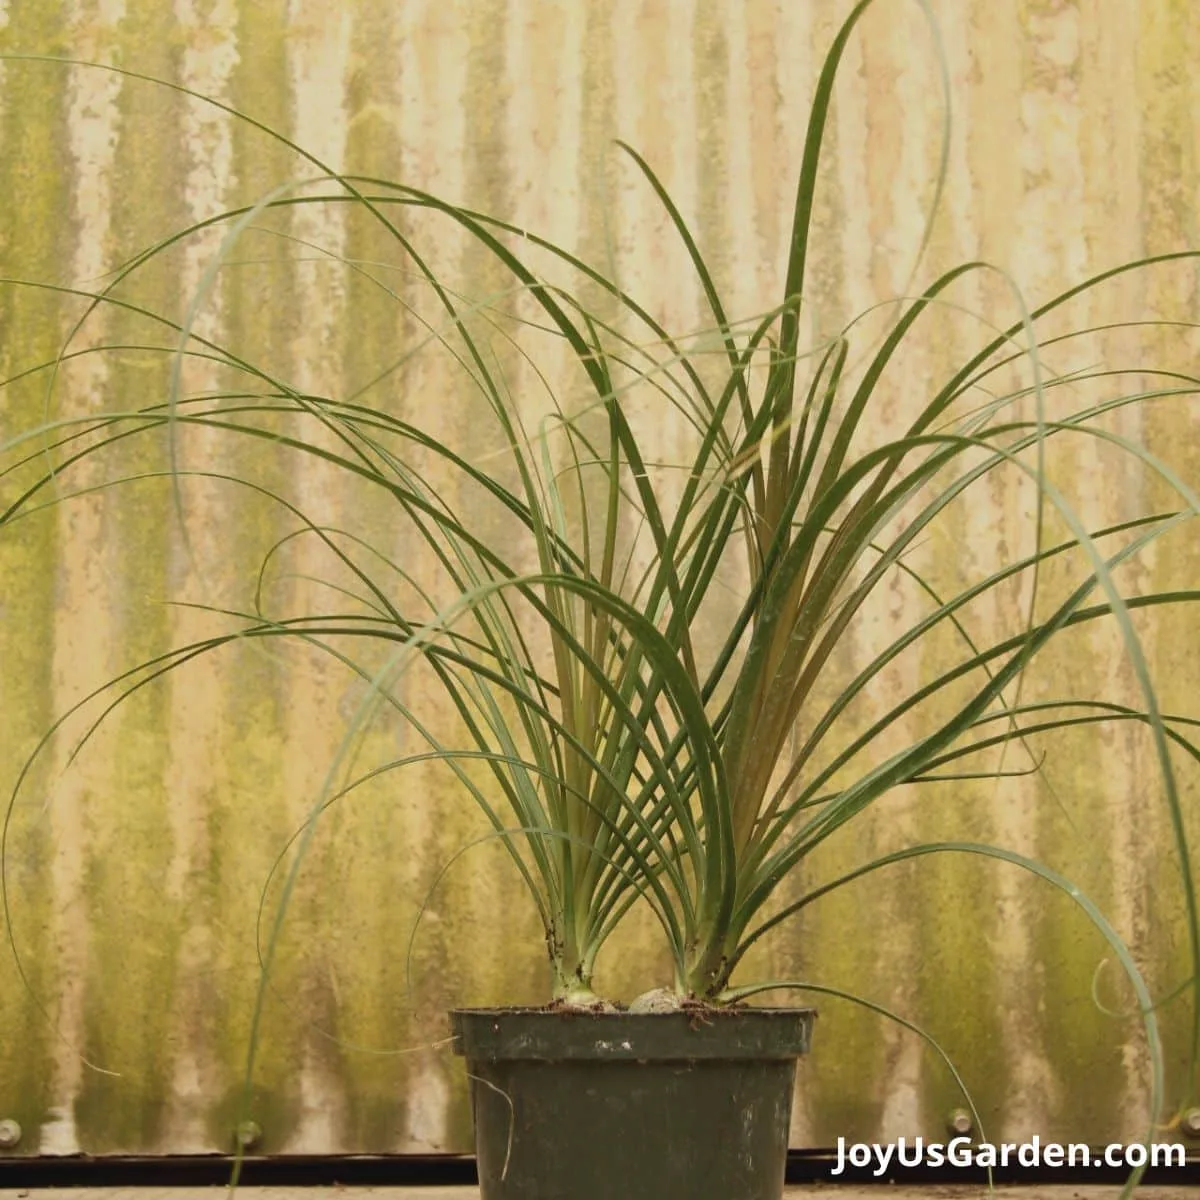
x: 134, y: 873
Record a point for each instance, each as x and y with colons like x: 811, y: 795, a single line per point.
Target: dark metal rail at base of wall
x: 446, y: 1170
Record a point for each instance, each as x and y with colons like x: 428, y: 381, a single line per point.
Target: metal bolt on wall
x: 959, y: 1122
x: 248, y: 1134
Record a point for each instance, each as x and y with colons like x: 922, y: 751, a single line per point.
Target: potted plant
x: 621, y: 761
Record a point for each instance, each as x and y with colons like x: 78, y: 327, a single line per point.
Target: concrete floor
x: 825, y: 1191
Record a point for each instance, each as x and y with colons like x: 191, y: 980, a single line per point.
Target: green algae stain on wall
x: 1169, y: 144
x: 373, y: 830
x: 34, y: 244
x: 134, y: 919
x: 248, y: 820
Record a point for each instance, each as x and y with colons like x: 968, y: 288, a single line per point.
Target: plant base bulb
x: 657, y: 1000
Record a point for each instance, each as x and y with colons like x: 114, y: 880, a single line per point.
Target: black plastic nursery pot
x: 623, y: 1106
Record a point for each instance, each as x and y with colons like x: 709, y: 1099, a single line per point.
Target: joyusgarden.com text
x: 963, y: 1152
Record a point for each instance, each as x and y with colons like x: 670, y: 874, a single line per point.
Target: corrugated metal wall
x: 134, y: 874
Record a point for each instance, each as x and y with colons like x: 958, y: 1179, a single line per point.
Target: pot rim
x: 689, y: 1035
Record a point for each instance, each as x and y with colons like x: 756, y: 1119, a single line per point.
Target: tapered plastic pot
x: 623, y: 1106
